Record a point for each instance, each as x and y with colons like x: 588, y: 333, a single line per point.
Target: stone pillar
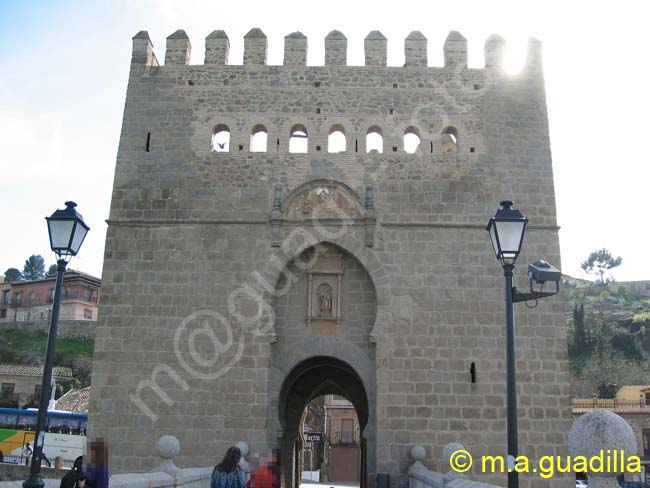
x: 178, y: 48
x: 415, y: 49
x: 375, y: 49
x: 255, y: 47
x: 217, y: 46
x: 455, y: 50
x: 494, y: 47
x: 143, y: 50
x: 336, y: 49
x: 534, y: 56
x: 295, y: 49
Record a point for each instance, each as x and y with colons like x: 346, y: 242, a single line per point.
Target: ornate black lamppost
x: 506, y: 230
x: 67, y: 232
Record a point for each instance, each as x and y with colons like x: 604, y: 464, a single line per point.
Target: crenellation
x: 178, y: 49
x: 295, y: 49
x: 494, y: 49
x: 217, y: 46
x: 255, y: 44
x: 336, y: 49
x: 143, y: 50
x: 375, y: 49
x: 455, y: 51
x: 534, y: 56
x: 415, y: 49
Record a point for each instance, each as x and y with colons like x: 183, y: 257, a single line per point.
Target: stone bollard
x: 168, y: 447
x: 418, y: 454
x: 599, y: 431
x: 243, y: 464
x: 419, y: 475
x: 447, y: 452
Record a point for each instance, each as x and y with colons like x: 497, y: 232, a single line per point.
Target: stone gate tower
x: 282, y: 232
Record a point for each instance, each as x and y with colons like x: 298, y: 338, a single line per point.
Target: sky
x: 64, y: 70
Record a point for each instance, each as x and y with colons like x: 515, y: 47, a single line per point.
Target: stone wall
x: 191, y: 227
x: 19, y: 472
x: 67, y: 329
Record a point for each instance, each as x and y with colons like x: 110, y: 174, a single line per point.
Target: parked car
x: 581, y: 484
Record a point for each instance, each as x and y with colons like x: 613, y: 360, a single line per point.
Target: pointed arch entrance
x: 314, y: 377
x: 325, y: 309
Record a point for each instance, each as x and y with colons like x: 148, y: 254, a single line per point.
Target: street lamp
x: 507, y: 229
x: 67, y: 232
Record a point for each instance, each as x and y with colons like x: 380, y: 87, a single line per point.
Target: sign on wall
x: 315, y: 437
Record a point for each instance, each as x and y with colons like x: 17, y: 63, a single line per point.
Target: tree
x: 600, y: 261
x: 580, y: 337
x: 13, y: 274
x: 34, y: 267
x: 52, y: 270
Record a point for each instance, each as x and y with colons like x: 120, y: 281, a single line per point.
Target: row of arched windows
x: 336, y: 142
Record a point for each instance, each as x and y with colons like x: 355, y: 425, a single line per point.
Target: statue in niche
x: 325, y: 301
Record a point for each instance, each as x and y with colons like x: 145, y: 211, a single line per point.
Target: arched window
x: 336, y: 141
x: 221, y: 138
x: 449, y: 140
x: 259, y: 139
x: 411, y: 140
x: 298, y: 139
x: 374, y: 140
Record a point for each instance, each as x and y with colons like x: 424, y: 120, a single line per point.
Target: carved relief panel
x: 323, y: 202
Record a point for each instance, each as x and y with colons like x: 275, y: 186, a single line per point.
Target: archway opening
x: 331, y: 385
x: 331, y: 442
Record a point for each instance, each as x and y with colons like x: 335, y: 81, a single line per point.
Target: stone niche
x: 324, y: 275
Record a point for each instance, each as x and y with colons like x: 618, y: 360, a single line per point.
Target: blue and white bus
x: 65, y: 435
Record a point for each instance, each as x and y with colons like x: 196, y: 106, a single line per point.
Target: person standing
x: 267, y: 472
x: 46, y: 459
x: 75, y: 477
x: 97, y: 475
x: 27, y: 453
x: 228, y: 474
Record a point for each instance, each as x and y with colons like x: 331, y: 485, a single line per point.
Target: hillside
x: 28, y: 347
x: 609, y: 335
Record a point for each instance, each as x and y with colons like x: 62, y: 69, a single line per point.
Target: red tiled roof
x: 23, y: 370
x: 75, y: 401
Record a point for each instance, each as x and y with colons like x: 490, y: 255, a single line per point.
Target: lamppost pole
x: 507, y: 229
x: 35, y: 480
x: 511, y: 381
x: 67, y: 232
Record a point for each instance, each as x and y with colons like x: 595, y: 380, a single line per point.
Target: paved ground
x: 328, y: 485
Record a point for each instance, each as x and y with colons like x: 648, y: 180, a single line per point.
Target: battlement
x: 217, y: 46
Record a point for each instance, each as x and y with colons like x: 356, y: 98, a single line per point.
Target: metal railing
x: 609, y: 404
x: 344, y: 437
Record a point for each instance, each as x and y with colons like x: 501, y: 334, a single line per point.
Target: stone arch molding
x: 298, y: 240
x: 323, y: 199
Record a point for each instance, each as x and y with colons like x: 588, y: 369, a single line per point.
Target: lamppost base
x: 33, y: 481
